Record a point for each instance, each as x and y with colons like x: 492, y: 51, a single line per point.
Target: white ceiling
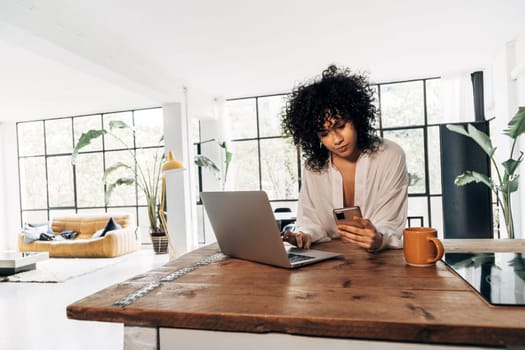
x: 63, y: 57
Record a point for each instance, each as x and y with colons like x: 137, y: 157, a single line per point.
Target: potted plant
x: 507, y: 178
x: 147, y: 175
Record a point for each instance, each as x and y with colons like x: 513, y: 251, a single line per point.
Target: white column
x: 179, y: 201
x: 9, y: 188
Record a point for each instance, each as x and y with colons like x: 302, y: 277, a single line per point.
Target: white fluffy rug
x: 56, y: 270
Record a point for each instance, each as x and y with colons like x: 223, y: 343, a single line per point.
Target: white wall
x: 9, y: 194
x: 505, y: 91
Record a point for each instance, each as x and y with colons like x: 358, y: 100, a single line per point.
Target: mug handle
x: 439, y: 247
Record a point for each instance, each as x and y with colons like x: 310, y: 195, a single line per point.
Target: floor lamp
x: 170, y: 165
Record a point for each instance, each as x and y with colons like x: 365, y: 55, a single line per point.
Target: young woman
x: 346, y: 164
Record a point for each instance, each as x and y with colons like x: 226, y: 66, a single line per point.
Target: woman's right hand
x: 298, y: 239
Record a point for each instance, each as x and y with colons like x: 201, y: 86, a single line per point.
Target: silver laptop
x: 245, y: 228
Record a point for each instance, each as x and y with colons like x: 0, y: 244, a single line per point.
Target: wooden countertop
x: 361, y: 296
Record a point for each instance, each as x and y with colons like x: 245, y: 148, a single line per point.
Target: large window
x: 410, y: 114
x: 266, y: 160
x: 50, y: 185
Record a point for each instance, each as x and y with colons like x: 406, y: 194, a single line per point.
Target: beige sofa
x: 113, y: 243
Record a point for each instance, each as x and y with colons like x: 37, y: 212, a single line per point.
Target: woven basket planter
x: 160, y: 243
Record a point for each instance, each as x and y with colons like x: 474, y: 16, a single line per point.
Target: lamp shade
x: 171, y: 163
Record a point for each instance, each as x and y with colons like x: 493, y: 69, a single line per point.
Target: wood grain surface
x: 362, y: 295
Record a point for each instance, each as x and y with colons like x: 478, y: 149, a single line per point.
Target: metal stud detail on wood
x: 128, y: 300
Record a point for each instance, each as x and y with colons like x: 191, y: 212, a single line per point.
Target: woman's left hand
x: 365, y: 236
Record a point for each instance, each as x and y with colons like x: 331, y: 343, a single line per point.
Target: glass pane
x: 279, y: 168
x: 90, y: 187
x: 59, y: 136
x: 35, y: 217
x: 418, y: 208
x: 131, y: 211
x: 124, y: 137
x: 270, y: 109
x: 434, y: 160
x: 402, y: 104
x: 84, y: 124
x: 61, y: 212
x: 124, y: 194
x: 30, y: 138
x: 91, y: 211
x: 195, y: 132
x: 436, y: 212
x: 143, y: 224
x: 60, y: 182
x: 149, y: 127
x: 245, y: 166
x: 434, y: 108
x: 241, y: 118
x: 33, y: 183
x: 411, y: 140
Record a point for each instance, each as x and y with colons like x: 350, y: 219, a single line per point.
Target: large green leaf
x: 458, y: 129
x: 119, y: 182
x: 510, y: 186
x: 85, y: 139
x: 113, y: 168
x: 206, y: 162
x: 516, y: 126
x: 511, y: 165
x: 118, y: 124
x: 227, y: 158
x: 473, y: 176
x: 481, y: 138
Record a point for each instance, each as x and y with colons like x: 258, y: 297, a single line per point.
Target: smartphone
x: 346, y: 215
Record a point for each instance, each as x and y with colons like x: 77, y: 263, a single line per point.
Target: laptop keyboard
x: 296, y: 257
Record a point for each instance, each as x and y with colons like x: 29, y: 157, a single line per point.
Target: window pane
x: 59, y: 136
x: 125, y: 135
x: 245, y: 166
x: 417, y: 207
x: 91, y: 211
x: 30, y: 138
x: 270, y: 109
x: 149, y: 127
x: 436, y: 210
x: 241, y: 118
x: 434, y: 160
x: 61, y: 212
x: 143, y: 224
x: 411, y: 140
x: 33, y: 183
x: 402, y: 104
x: 84, y: 124
x: 90, y: 187
x: 279, y: 168
x: 35, y: 217
x: 60, y: 182
x: 434, y: 111
x: 125, y: 194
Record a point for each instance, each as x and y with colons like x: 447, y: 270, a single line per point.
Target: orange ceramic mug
x: 421, y: 246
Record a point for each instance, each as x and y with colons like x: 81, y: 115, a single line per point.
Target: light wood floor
x: 33, y: 315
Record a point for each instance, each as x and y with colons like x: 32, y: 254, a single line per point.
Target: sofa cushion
x: 110, y: 226
x: 33, y: 232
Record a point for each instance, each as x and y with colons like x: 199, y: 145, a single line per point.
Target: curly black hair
x: 339, y: 93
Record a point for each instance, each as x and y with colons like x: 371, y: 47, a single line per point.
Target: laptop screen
x: 498, y: 277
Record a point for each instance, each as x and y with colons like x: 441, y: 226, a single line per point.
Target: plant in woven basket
x: 137, y: 168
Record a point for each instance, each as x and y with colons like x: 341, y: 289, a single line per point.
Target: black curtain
x: 477, y: 89
x: 467, y: 210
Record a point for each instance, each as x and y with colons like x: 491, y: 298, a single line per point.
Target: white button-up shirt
x: 381, y: 191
